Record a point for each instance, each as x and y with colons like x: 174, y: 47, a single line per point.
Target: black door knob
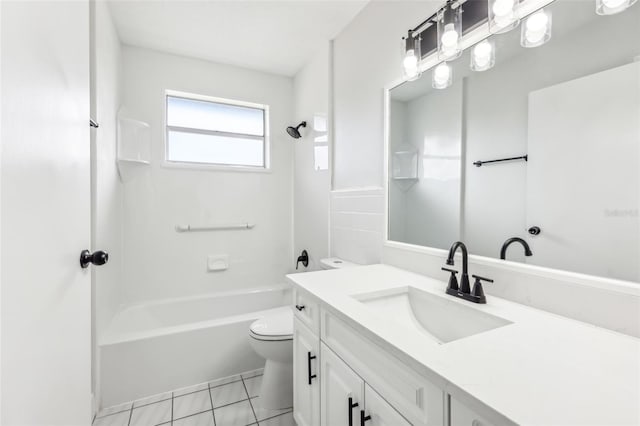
x: 535, y: 230
x: 97, y: 258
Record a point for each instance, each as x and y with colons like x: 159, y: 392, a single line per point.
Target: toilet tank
x: 336, y: 263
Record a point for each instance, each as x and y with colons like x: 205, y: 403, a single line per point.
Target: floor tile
x: 119, y: 419
x: 151, y: 399
x: 250, y: 374
x: 238, y: 414
x: 114, y: 409
x: 190, y: 389
x: 263, y: 413
x: 281, y: 420
x: 202, y: 419
x: 253, y: 385
x: 224, y: 381
x: 228, y: 394
x: 151, y: 415
x: 192, y: 403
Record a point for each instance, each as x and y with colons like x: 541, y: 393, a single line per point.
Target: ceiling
x: 271, y: 36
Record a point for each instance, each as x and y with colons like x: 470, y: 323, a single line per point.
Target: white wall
x: 106, y: 188
x: 160, y: 263
x: 362, y: 69
x: 311, y: 186
x: 366, y: 58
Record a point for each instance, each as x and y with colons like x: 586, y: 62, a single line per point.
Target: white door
x: 45, y: 213
x: 583, y: 174
x: 378, y: 412
x: 342, y: 391
x: 306, y: 388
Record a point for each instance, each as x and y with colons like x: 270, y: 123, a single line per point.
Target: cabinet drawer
x: 307, y: 310
x: 421, y: 402
x: 461, y: 415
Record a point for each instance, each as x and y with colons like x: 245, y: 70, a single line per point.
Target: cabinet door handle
x: 300, y: 307
x: 352, y: 405
x: 309, y: 358
x: 363, y: 418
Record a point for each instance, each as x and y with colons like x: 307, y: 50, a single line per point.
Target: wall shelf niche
x: 133, y: 148
x: 405, y: 168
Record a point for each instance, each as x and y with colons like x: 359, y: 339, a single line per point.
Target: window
x: 212, y: 131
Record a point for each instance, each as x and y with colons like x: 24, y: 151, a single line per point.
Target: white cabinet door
x: 46, y: 296
x: 306, y: 386
x: 463, y: 416
x: 378, y: 412
x: 341, y: 390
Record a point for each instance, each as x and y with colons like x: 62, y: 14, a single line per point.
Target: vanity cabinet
x: 334, y: 366
x: 347, y: 400
x: 341, y: 378
x: 342, y: 393
x: 306, y: 385
x: 461, y: 415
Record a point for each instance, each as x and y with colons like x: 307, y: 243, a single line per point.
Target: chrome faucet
x: 464, y: 291
x: 505, y: 246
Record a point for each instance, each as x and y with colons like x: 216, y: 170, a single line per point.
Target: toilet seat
x: 275, y: 326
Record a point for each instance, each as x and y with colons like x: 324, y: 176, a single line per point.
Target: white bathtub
x: 160, y: 346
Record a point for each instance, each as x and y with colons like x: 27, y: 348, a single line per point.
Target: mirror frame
x: 477, y: 35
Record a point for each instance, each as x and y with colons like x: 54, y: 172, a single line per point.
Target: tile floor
x: 233, y: 401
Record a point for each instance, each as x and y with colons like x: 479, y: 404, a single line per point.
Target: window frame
x: 265, y: 168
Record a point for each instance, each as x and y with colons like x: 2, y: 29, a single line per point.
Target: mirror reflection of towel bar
x: 191, y: 228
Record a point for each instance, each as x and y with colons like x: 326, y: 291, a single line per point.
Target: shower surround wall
x: 161, y: 263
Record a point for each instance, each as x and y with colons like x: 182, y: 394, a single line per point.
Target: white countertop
x: 543, y: 369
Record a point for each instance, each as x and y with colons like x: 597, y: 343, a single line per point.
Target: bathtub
x: 164, y: 345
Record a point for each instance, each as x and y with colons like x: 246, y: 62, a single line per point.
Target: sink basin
x: 436, y: 317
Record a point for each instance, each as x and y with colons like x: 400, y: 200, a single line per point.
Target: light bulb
x: 442, y: 76
x: 502, y: 15
x: 536, y: 30
x: 450, y: 36
x: 502, y: 8
x: 536, y: 26
x: 611, y: 7
x: 482, y: 56
x: 410, y: 64
x: 613, y: 4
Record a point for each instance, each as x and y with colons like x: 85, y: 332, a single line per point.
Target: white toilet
x: 272, y: 338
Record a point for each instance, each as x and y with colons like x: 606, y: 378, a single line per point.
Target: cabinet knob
x: 300, y: 307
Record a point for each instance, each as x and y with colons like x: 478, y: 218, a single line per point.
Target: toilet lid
x: 278, y: 324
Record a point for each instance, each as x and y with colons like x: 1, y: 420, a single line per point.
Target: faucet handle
x: 477, y: 288
x: 453, y: 281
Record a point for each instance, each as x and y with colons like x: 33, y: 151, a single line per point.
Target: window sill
x: 213, y: 167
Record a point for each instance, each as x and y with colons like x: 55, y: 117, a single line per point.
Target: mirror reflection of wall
x: 572, y: 105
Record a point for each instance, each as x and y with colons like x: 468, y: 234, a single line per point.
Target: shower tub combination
x: 164, y: 345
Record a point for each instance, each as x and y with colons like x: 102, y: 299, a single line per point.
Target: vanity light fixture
x: 483, y: 55
x: 442, y: 76
x: 449, y: 32
x: 503, y: 15
x: 536, y: 29
x: 611, y: 7
x: 411, y: 57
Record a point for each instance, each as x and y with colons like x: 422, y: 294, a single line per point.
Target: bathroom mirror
x: 571, y: 106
